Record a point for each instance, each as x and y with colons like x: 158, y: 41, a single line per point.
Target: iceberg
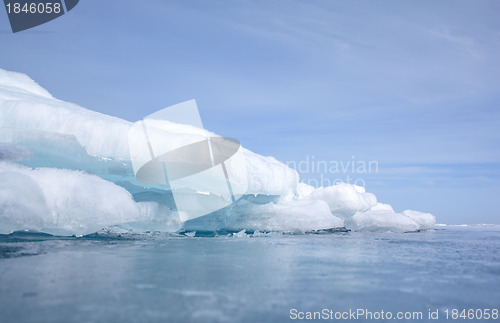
x: 68, y: 170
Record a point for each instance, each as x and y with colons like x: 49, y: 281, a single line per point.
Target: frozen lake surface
x: 167, y: 278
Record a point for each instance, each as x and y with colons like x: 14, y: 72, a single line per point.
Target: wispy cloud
x: 460, y: 41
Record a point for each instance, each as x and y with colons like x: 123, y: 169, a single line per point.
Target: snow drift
x: 66, y: 170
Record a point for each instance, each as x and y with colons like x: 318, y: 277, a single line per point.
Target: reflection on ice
x: 258, y: 278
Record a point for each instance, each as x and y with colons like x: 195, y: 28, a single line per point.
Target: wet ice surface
x: 170, y: 279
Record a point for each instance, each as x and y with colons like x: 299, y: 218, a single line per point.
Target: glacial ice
x: 67, y: 170
x: 13, y: 152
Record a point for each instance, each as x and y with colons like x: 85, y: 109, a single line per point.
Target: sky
x: 410, y: 86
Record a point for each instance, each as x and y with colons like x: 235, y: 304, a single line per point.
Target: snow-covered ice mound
x: 60, y: 201
x: 66, y: 170
x: 382, y: 217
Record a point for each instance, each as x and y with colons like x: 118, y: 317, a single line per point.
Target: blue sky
x: 413, y: 85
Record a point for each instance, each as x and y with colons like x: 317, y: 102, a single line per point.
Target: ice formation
x: 66, y: 170
x: 61, y: 201
x: 382, y: 217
